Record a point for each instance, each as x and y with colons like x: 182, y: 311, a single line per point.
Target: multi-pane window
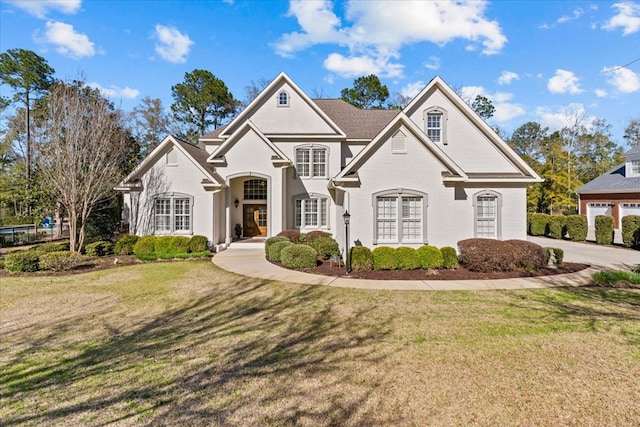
x: 487, y: 216
x: 311, y: 213
x: 283, y: 99
x: 172, y: 214
x: 311, y: 162
x: 255, y: 189
x: 399, y: 218
x: 635, y: 167
x: 434, y: 127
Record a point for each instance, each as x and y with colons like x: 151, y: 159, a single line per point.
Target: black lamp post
x: 347, y: 258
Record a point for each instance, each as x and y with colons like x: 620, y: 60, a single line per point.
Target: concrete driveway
x: 601, y: 257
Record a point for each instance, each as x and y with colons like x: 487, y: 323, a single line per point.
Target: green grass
x: 616, y: 277
x: 174, y: 343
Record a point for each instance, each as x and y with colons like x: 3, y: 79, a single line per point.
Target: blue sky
x: 546, y: 61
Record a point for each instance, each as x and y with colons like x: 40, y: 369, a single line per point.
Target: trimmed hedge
x: 407, y: 258
x: 487, y: 255
x: 52, y: 247
x: 145, y: 245
x: 577, y: 227
x: 326, y: 247
x: 22, y: 262
x: 449, y: 257
x: 361, y: 258
x: 162, y: 244
x: 557, y: 226
x: 271, y: 240
x: 631, y: 231
x: 539, y: 224
x: 604, y: 229
x: 59, y: 261
x: 198, y: 244
x: 311, y: 236
x: 431, y: 257
x: 298, y: 256
x: 384, y: 258
x: 292, y: 235
x: 276, y: 249
x: 101, y: 248
x: 529, y: 255
x: 180, y: 244
x: 124, y: 246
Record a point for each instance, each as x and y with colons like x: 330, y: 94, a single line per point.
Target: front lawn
x: 189, y: 344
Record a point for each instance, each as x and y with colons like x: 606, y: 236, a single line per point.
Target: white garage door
x: 594, y: 209
x: 629, y: 209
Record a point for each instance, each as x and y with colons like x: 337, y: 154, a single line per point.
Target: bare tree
x: 80, y: 151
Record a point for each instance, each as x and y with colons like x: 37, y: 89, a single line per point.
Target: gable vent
x: 399, y: 143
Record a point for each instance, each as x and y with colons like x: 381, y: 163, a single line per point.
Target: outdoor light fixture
x: 347, y: 260
x: 235, y: 202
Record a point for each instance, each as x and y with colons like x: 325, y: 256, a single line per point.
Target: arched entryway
x: 254, y: 207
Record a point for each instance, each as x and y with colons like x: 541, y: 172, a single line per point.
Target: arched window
x: 435, y: 124
x: 255, y: 189
x: 400, y: 216
x: 487, y: 207
x: 283, y: 99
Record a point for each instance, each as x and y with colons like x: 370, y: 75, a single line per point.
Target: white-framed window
x: 283, y: 99
x: 173, y: 214
x: 255, y: 189
x: 311, y: 212
x: 487, y: 208
x: 400, y: 216
x: 635, y: 167
x: 311, y: 161
x: 435, y: 124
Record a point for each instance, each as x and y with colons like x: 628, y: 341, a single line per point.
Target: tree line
x: 64, y: 146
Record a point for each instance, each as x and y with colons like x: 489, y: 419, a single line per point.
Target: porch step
x: 254, y: 243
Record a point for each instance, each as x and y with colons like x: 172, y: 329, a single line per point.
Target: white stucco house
x: 433, y: 173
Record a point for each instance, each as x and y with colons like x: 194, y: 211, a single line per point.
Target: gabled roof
x: 196, y: 155
x: 355, y: 122
x: 614, y: 181
x: 635, y: 150
x: 452, y: 171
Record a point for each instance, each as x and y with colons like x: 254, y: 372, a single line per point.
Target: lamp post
x: 347, y: 258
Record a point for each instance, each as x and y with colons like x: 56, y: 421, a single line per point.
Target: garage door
x: 594, y: 209
x: 629, y: 209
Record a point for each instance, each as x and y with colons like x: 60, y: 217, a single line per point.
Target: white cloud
x: 172, y: 46
x: 115, y: 91
x: 622, y: 79
x: 433, y: 63
x: 371, y: 35
x: 39, y: 8
x: 412, y: 89
x: 566, y: 18
x: 564, y: 82
x: 507, y: 77
x: 504, y: 111
x: 565, y: 116
x: 354, y: 66
x: 628, y: 18
x: 601, y: 93
x: 66, y: 40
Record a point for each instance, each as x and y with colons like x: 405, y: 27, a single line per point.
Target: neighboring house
x: 615, y: 193
x: 433, y: 173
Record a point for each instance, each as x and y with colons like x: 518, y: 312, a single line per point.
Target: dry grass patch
x: 187, y: 343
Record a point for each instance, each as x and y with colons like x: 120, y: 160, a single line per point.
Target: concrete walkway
x: 249, y: 260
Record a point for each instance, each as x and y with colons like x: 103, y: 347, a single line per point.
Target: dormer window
x: 635, y: 167
x: 435, y: 124
x: 283, y: 99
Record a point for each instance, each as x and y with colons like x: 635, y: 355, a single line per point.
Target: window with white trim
x: 400, y: 217
x: 172, y: 214
x: 487, y: 205
x: 255, y: 189
x: 635, y: 167
x: 311, y: 162
x: 311, y: 212
x: 283, y: 99
x: 435, y: 124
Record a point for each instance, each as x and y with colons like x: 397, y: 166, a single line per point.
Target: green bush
x: 59, y: 261
x: 201, y: 254
x: 326, y: 247
x: 431, y: 257
x: 147, y: 256
x: 604, y: 229
x: 449, y: 257
x: 52, y: 247
x: 124, y: 246
x: 292, y: 235
x: 22, y: 262
x: 557, y: 226
x: 631, y: 231
x: 19, y: 220
x: 407, y: 258
x: 313, y: 235
x: 100, y: 248
x: 361, y: 258
x: 163, y: 244
x: 144, y: 245
x: 577, y: 228
x: 616, y: 277
x: 384, y: 258
x: 275, y: 250
x: 559, y: 255
x: 298, y: 256
x: 180, y: 244
x: 271, y: 240
x: 539, y: 224
x: 199, y: 244
x: 529, y: 214
x: 487, y: 255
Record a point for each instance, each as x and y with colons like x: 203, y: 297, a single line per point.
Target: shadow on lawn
x: 245, y: 345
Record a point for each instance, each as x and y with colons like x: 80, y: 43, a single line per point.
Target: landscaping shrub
x: 201, y: 254
x: 326, y: 247
x: 449, y: 257
x: 487, y: 255
x: 310, y: 237
x: 577, y: 227
x: 52, y: 247
x: 557, y: 226
x: 384, y: 258
x: 539, y: 224
x: 59, y: 261
x: 361, y: 258
x: 144, y: 245
x: 431, y: 257
x: 180, y: 244
x: 528, y: 255
x: 604, y: 229
x: 276, y: 249
x: 22, y: 262
x: 298, y: 256
x: 292, y: 235
x: 147, y: 256
x: 559, y: 255
x: 198, y: 244
x: 271, y: 240
x: 529, y: 214
x: 631, y: 231
x: 407, y: 258
x: 162, y: 244
x: 124, y: 246
x: 100, y: 248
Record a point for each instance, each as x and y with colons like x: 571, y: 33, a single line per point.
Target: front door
x: 254, y: 220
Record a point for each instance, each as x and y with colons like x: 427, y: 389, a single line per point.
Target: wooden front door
x: 254, y: 220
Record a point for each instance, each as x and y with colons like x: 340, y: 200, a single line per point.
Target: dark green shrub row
x: 558, y: 226
x: 631, y: 231
x: 101, y: 248
x: 124, y: 246
x: 539, y: 224
x: 604, y: 229
x: 449, y: 257
x: 405, y: 258
x: 22, y: 262
x: 298, y: 256
x: 577, y: 227
x: 361, y: 258
x: 430, y: 257
x: 326, y: 247
x: 488, y: 255
x: 165, y: 247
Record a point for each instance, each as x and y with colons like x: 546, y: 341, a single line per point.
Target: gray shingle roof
x: 198, y: 154
x: 633, y: 150
x: 354, y: 122
x: 614, y: 180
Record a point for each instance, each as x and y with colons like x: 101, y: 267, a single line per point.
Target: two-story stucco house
x: 433, y: 173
